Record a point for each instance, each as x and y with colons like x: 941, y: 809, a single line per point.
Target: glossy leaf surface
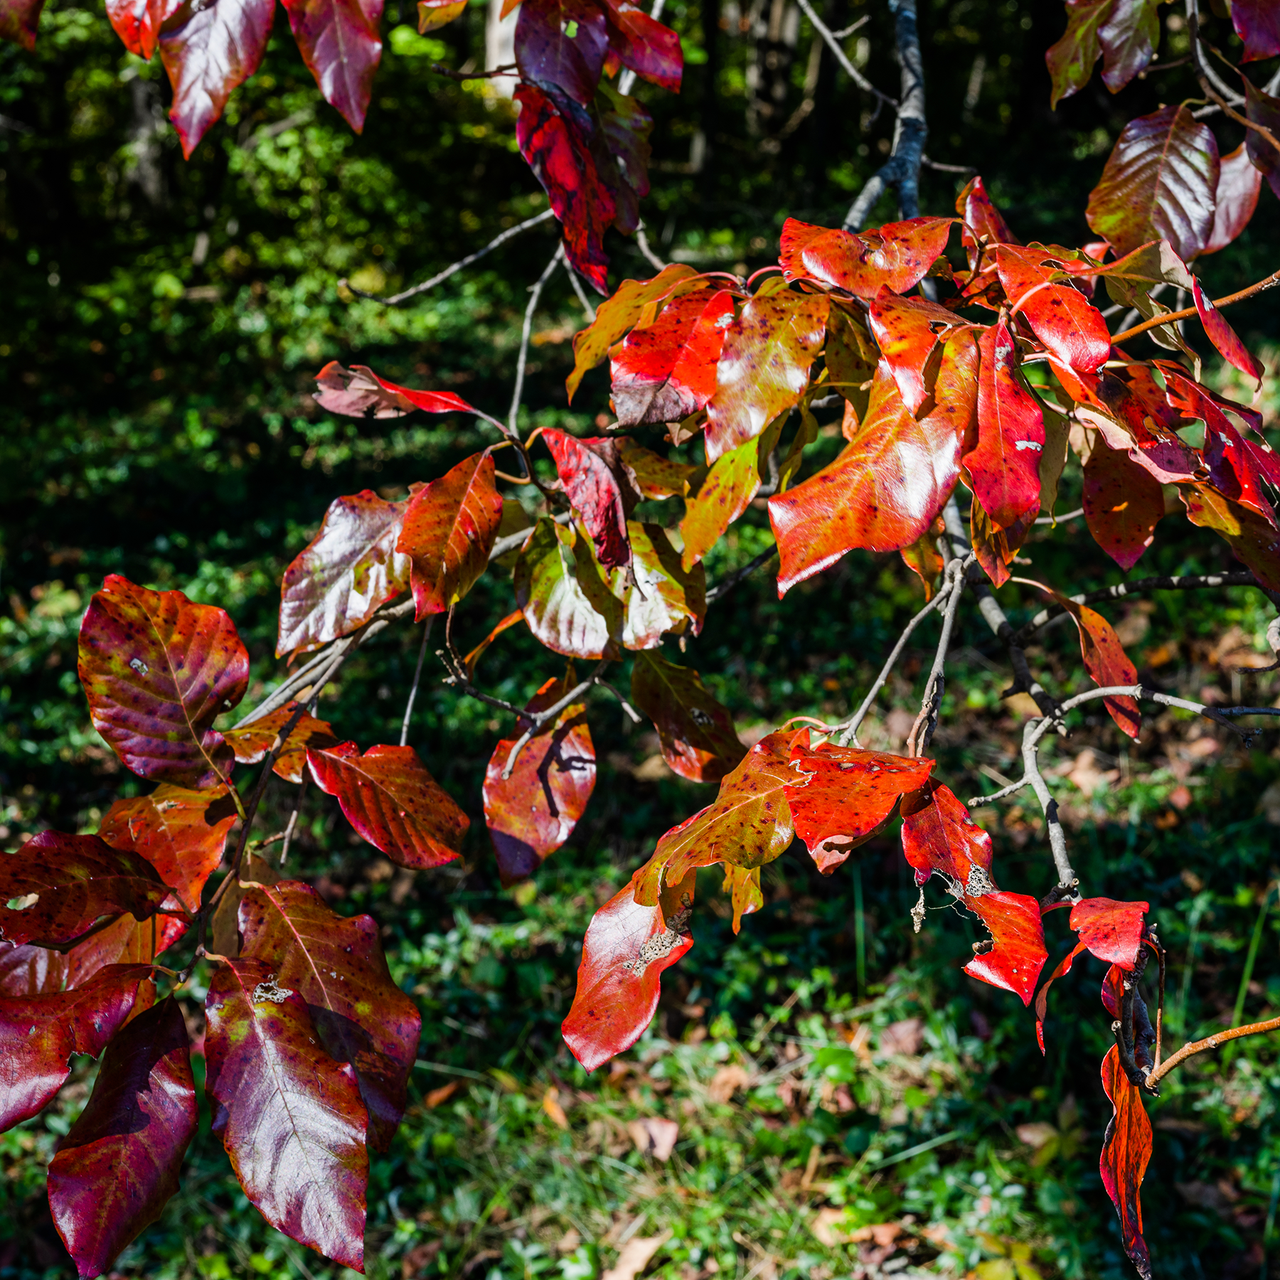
x: 138, y: 23
x: 1239, y: 185
x: 1126, y: 1150
x: 1111, y: 930
x: 392, y: 801
x: 157, y: 670
x: 291, y: 1118
x: 448, y: 531
x: 723, y: 496
x: 897, y: 255
x: 666, y: 598
x: 349, y: 570
x: 592, y: 480
x: 336, y: 965
x: 1122, y: 504
x: 118, y: 1167
x: 908, y: 331
x: 1224, y: 337
x: 562, y: 42
x: 255, y: 740
x: 644, y: 45
x: 626, y: 949
x: 339, y: 42
x: 1062, y: 318
x: 1258, y: 24
x: 358, y: 392
x: 695, y: 732
x: 534, y: 811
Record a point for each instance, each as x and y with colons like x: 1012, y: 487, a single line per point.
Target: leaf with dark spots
x: 448, y: 531
x: 392, y: 801
x: 336, y: 965
x: 74, y: 882
x: 1126, y: 1150
x: 665, y: 598
x: 1111, y: 930
x: 562, y: 591
x: 653, y: 475
x: 908, y: 331
x: 885, y: 489
x: 118, y: 1167
x: 290, y: 1117
x: 255, y: 740
x: 897, y: 255
x: 534, y: 811
x: 1224, y: 337
x: 39, y: 1033
x: 358, y: 392
x: 743, y: 888
x: 1252, y: 537
x: 1059, y: 314
x: 666, y: 370
x: 695, y: 732
x: 598, y: 489
x: 1005, y: 464
x: 844, y: 795
x: 562, y: 42
x: 1122, y: 504
x: 348, y: 571
x: 1160, y: 182
x: 157, y: 670
x: 627, y: 947
x: 339, y: 42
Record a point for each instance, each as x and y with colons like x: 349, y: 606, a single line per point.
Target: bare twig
x: 642, y: 243
x: 1068, y: 882
x: 507, y: 69
x: 1209, y: 1042
x: 535, y: 294
x: 634, y: 716
x: 417, y: 675
x: 292, y: 824
x: 1188, y: 313
x: 1071, y: 515
x: 833, y: 43
x: 974, y: 801
x: 546, y: 715
x: 722, y: 588
x: 1204, y: 73
x: 587, y: 305
x: 927, y: 720
x: 439, y: 278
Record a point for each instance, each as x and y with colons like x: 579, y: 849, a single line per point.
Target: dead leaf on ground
x: 903, y: 1037
x: 1087, y: 776
x: 442, y: 1094
x: 727, y: 1081
x: 636, y: 1254
x: 831, y: 1227
x: 1037, y: 1134
x: 568, y: 1242
x: 654, y: 1137
x: 551, y: 1105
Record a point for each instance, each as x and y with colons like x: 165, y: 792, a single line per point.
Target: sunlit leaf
x: 1060, y: 315
x: 897, y: 255
x: 1111, y: 930
x: 358, y: 392
x: 644, y: 45
x: 665, y: 599
x: 908, y: 331
x: 1126, y: 1150
x: 1223, y: 336
x: 339, y: 42
x: 252, y: 742
x: 598, y: 489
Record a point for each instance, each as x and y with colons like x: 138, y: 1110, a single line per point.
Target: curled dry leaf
x: 1126, y: 1150
x: 358, y: 392
x: 118, y: 1167
x: 392, y: 801
x: 627, y: 947
x: 157, y: 670
x: 348, y: 571
x: 534, y: 811
x: 291, y: 1119
x: 255, y: 740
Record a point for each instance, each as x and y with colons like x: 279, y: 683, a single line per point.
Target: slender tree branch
x: 833, y: 43
x: 1188, y: 313
x: 292, y: 824
x: 535, y: 294
x: 546, y: 715
x: 508, y: 69
x: 396, y: 298
x: 417, y: 675
x: 1068, y: 881
x: 1209, y: 1042
x: 723, y: 587
x: 642, y: 243
x: 1209, y: 79
x: 587, y: 305
x: 975, y: 801
x: 927, y: 720
x: 634, y: 716
x: 1055, y: 520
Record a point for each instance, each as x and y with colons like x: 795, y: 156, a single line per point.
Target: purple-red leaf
x: 392, y: 801
x: 339, y: 42
x: 897, y: 256
x: 336, y: 965
x: 844, y: 795
x: 157, y: 669
x: 1257, y: 23
x: 448, y: 531
x: 562, y: 42
x: 1224, y: 337
x: 1160, y: 182
x: 626, y: 949
x: 644, y: 45
x: 593, y: 479
x: 19, y: 20
x: 358, y: 392
x: 348, y: 571
x: 290, y: 1117
x: 252, y: 743
x: 1239, y: 184
x: 695, y: 732
x: 534, y: 811
x: 138, y: 22
x: 1126, y: 1150
x: 77, y: 881
x: 118, y: 1167
x: 1261, y: 108
x: 1122, y: 504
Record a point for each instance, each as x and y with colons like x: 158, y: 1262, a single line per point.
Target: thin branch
x: 1188, y: 313
x: 587, y: 305
x: 1205, y: 73
x: 507, y: 69
x: 1067, y: 878
x: 845, y: 32
x: 642, y: 243
x: 546, y: 715
x: 535, y: 294
x: 1055, y: 520
x: 628, y: 78
x: 417, y: 675
x: 632, y: 713
x: 292, y: 824
x: 501, y: 238
x: 722, y: 588
x: 1209, y: 1042
x: 927, y: 720
x: 974, y: 801
x: 945, y: 168
x: 833, y: 43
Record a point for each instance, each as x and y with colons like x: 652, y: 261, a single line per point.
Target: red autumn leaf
x: 981, y: 218
x: 290, y: 1117
x: 534, y: 811
x: 666, y: 370
x: 1106, y: 662
x: 923, y: 559
x: 897, y: 256
x: 628, y: 306
x: 118, y: 1167
x: 252, y: 742
x: 938, y: 836
x: 724, y: 495
x: 994, y: 549
x: 1252, y: 537
x: 157, y: 669
x: 1261, y: 108
x: 1005, y: 464
x: 392, y: 801
x: 624, y: 953
x: 561, y: 589
x: 208, y: 51
x: 695, y: 732
x: 77, y: 881
x: 138, y: 22
x: 358, y: 392
x: 665, y: 599
x: 590, y: 476
x: 644, y: 45
x: 748, y: 824
x: 1224, y: 337
x: 1059, y: 314
x: 338, y: 40
x: 844, y: 795
x: 448, y: 531
x: 31, y: 971
x: 1110, y: 930
x: 19, y: 21
x: 348, y: 571
x: 1126, y: 1150
x: 764, y: 366
x: 1239, y: 185
x: 1122, y: 504
x: 39, y: 1033
x: 622, y: 152
x: 1258, y: 24
x: 562, y: 42
x: 884, y: 490
x: 1160, y: 182
x: 554, y: 135
x: 336, y: 965
x: 908, y: 331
